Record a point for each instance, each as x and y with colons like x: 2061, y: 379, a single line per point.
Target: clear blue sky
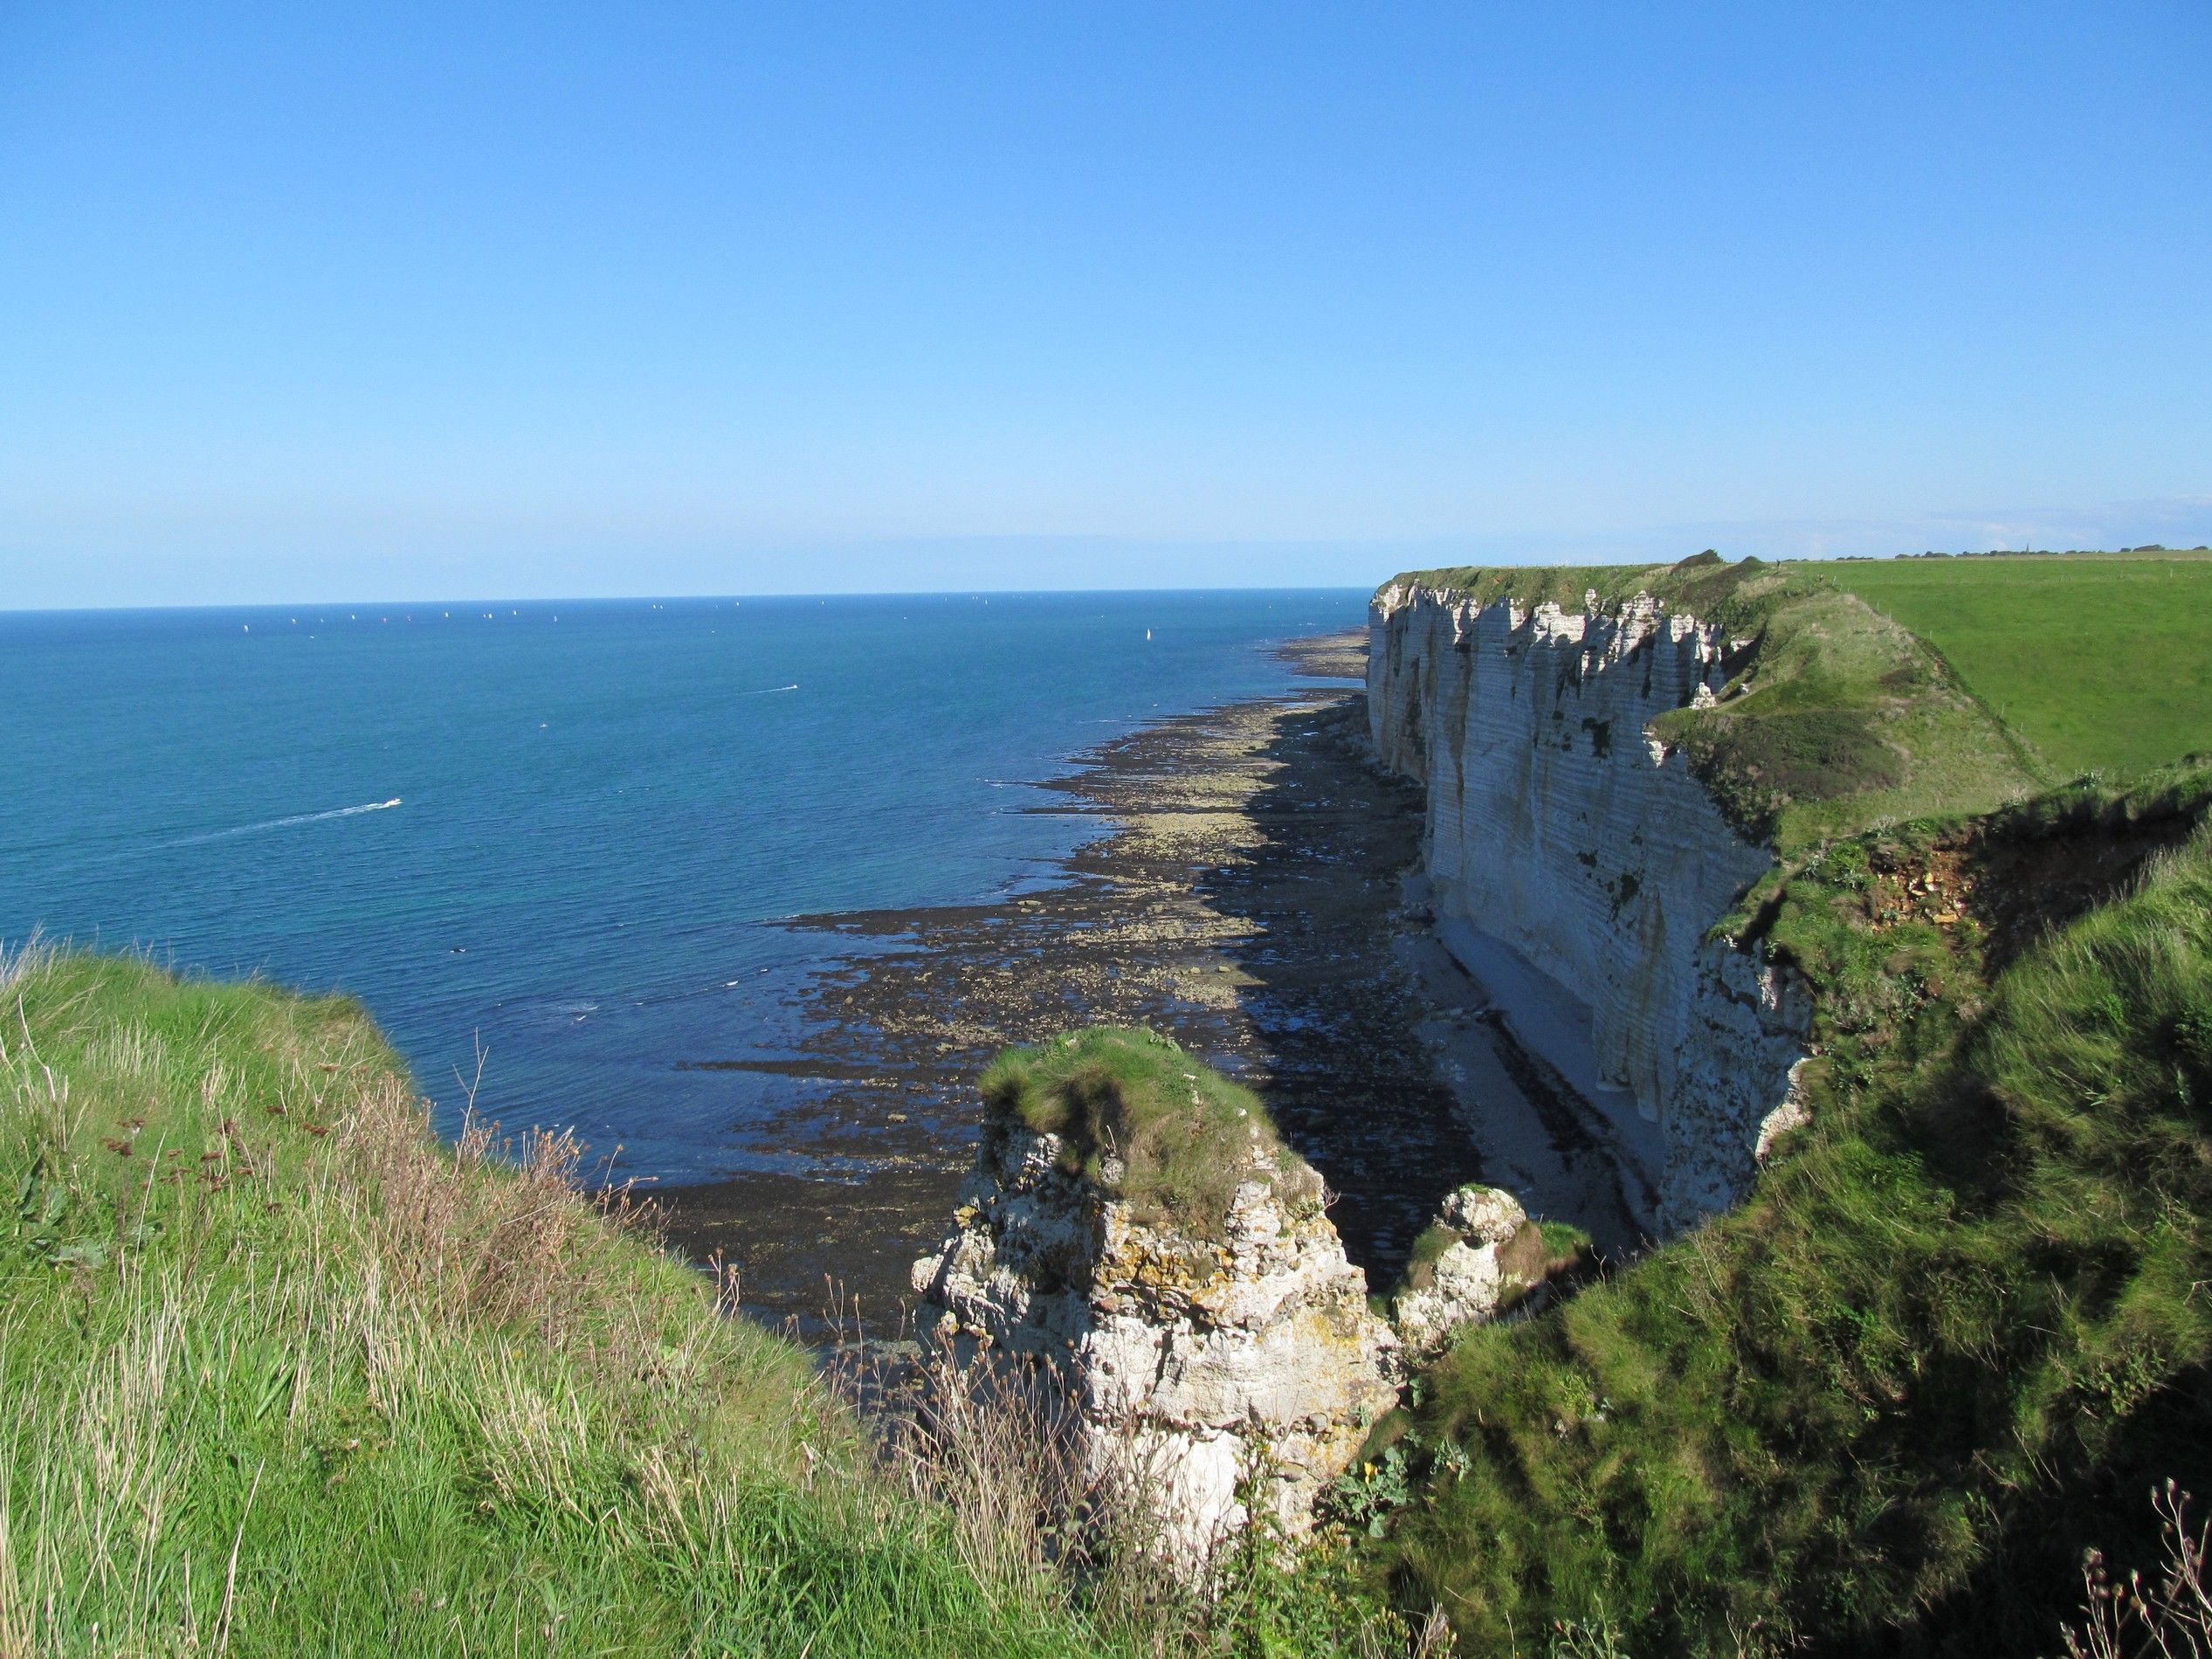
x: 407, y: 300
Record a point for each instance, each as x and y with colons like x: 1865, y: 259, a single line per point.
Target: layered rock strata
x: 1225, y: 1374
x: 1559, y: 824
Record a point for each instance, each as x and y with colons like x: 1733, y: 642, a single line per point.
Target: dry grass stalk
x: 1001, y: 1446
x: 2169, y: 1616
x: 456, y: 1237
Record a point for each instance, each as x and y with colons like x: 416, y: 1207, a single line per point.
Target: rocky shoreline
x: 1248, y: 895
x: 1242, y: 897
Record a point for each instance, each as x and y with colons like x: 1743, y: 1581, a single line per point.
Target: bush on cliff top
x: 279, y: 1374
x: 1155, y: 1127
x: 1948, y: 1341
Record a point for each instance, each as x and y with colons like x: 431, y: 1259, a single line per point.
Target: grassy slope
x: 1834, y: 715
x: 1954, y: 1335
x: 2102, y: 663
x: 282, y: 1374
x: 1970, y: 1294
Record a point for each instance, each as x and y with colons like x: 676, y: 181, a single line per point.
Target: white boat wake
x: 286, y: 823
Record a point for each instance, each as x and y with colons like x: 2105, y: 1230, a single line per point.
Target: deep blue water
x: 599, y: 804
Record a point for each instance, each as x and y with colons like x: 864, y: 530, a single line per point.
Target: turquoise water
x: 565, y: 830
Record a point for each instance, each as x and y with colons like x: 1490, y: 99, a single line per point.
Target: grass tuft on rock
x: 1152, y: 1125
x: 1429, y: 1247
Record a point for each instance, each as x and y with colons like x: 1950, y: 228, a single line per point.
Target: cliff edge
x: 1613, y: 757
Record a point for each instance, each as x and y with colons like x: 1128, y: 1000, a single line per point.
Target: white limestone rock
x: 1465, y: 1284
x: 1482, y: 1214
x: 1196, y: 1361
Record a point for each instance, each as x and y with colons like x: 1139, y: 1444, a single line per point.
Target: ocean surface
x: 563, y: 835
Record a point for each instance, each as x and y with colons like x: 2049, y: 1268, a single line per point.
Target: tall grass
x: 1944, y: 1346
x: 279, y: 1374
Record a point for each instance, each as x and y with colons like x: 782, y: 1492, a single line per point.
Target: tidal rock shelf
x: 1254, y: 893
x: 1243, y: 896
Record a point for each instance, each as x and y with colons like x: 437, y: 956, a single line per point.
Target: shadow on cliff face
x: 1334, y: 1017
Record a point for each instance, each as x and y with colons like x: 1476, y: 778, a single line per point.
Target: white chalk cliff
x: 1559, y: 825
x: 1216, y: 1370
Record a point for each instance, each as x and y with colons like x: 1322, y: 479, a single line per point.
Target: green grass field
x: 2095, y: 663
x: 280, y: 1374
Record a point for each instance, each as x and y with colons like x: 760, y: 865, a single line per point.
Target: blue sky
x: 315, y: 302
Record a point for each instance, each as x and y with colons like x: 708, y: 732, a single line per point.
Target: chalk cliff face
x: 1197, y: 1364
x: 1558, y: 825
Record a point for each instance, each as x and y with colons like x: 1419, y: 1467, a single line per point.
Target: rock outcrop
x: 1466, y: 1280
x: 1559, y: 825
x: 1218, y: 1370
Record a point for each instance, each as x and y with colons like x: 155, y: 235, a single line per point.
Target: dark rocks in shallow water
x: 1242, y: 899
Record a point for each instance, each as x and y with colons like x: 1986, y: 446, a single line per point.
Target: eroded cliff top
x: 1833, y: 716
x: 1153, y: 1126
x: 1706, y: 585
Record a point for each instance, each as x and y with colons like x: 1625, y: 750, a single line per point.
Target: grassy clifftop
x: 283, y: 1376
x: 1961, y: 1326
x: 2094, y: 663
x: 1833, y: 715
x: 1895, y: 688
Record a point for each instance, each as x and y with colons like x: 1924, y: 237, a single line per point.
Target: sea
x: 555, y: 847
